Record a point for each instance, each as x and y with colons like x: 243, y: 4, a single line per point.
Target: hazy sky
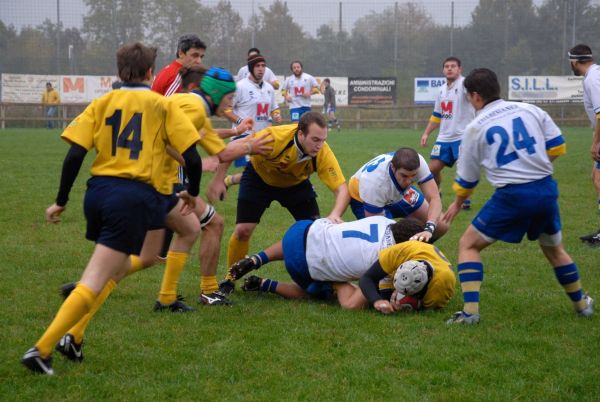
x: 310, y: 14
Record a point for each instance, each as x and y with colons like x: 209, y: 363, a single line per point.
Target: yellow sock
x: 236, y: 251
x: 136, y: 264
x: 168, y: 288
x: 208, y: 284
x: 72, y: 310
x: 79, y: 329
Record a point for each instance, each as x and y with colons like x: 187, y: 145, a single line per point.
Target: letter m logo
x: 262, y: 110
x: 446, y: 107
x: 298, y: 91
x: 70, y: 86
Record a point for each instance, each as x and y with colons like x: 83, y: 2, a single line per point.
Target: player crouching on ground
x: 323, y: 258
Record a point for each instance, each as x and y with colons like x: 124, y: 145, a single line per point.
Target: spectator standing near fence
x: 329, y: 103
x: 50, y: 100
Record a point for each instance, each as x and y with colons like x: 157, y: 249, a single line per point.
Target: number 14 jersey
x: 129, y: 129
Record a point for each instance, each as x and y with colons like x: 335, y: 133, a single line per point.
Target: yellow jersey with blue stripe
x: 441, y: 286
x: 129, y: 128
x: 286, y: 165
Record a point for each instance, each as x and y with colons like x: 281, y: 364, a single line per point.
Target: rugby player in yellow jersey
x: 425, y: 274
x: 196, y: 106
x: 129, y: 130
x: 283, y: 176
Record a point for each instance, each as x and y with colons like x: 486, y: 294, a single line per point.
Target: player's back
x: 129, y: 129
x: 513, y: 139
x: 344, y: 252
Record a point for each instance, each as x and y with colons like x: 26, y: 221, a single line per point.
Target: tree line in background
x: 509, y: 36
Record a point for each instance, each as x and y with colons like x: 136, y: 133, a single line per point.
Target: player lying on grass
x: 323, y: 258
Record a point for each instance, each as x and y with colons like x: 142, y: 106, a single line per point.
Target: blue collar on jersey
x: 393, y: 177
x: 211, y: 109
x: 135, y: 85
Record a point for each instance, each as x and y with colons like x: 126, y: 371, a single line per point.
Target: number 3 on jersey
x: 521, y: 140
x: 133, y: 129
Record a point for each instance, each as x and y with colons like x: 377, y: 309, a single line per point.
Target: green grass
x: 529, y: 345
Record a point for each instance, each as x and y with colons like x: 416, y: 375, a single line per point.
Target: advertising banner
x: 427, y: 89
x: 545, y: 88
x: 372, y: 91
x: 26, y: 88
x: 84, y: 88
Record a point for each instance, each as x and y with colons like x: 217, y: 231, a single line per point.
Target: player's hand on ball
x: 53, y: 213
x: 383, y: 306
x: 401, y: 302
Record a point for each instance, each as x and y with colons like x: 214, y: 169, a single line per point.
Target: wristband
x: 238, y: 121
x: 248, y: 148
x: 429, y: 227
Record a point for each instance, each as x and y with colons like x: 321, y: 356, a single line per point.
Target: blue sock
x: 261, y: 259
x: 269, y: 285
x: 568, y: 277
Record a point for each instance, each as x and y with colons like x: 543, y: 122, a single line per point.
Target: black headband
x: 580, y: 57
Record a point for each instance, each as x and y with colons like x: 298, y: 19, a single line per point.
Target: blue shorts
x: 294, y: 257
x: 119, y: 212
x: 330, y: 109
x: 165, y: 204
x: 296, y: 113
x: 517, y: 209
x: 447, y: 152
x: 410, y: 203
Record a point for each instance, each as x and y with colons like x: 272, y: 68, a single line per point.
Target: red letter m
x: 69, y: 86
x: 298, y: 91
x: 446, y: 107
x: 262, y: 109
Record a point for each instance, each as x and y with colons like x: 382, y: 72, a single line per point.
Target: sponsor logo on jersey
x: 298, y: 91
x: 447, y: 108
x: 411, y: 196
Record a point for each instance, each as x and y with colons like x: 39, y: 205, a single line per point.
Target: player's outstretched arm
x: 342, y: 199
x: 368, y: 285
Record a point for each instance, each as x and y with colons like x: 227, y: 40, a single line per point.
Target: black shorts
x: 255, y: 196
x: 119, y: 212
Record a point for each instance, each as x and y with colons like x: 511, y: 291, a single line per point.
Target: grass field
x: 529, y: 345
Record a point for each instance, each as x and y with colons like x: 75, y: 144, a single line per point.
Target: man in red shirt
x: 190, y: 51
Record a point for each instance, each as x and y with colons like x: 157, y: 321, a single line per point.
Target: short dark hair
x: 309, y: 118
x: 294, y: 62
x: 406, y: 158
x: 192, y: 74
x: 253, y: 50
x: 452, y: 58
x: 582, y: 50
x: 405, y: 228
x: 134, y: 60
x: 484, y: 82
x: 327, y: 80
x: 187, y: 42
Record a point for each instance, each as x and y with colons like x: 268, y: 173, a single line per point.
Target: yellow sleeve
x: 81, y: 130
x: 441, y: 288
x: 210, y: 140
x: 557, y: 151
x: 328, y: 168
x: 180, y: 131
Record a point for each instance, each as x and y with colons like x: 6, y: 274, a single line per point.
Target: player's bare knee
x: 217, y: 225
x: 243, y: 232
